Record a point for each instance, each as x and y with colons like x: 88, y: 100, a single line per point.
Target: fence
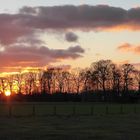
x: 72, y: 109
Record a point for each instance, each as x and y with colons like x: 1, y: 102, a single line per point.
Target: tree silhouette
x: 102, y: 70
x: 101, y: 81
x: 127, y: 70
x: 137, y: 78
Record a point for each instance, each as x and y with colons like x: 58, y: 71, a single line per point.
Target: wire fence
x: 68, y: 109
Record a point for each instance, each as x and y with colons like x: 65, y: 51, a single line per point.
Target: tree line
x: 103, y: 80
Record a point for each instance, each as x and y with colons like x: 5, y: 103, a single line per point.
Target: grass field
x: 66, y: 108
x: 71, y: 121
x: 106, y: 127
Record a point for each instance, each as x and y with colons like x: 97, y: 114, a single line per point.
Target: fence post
x: 92, y: 110
x: 54, y: 110
x: 74, y: 110
x: 10, y: 110
x: 135, y: 109
x: 121, y: 109
x: 33, y: 111
x: 107, y: 110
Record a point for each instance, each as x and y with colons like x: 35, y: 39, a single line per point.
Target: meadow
x: 65, y: 109
x: 60, y: 121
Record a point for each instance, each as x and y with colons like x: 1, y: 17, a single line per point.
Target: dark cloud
x: 24, y: 29
x: 36, y: 56
x: 11, y: 30
x: 60, y: 17
x: 134, y: 14
x: 82, y: 17
x: 71, y: 37
x: 30, y: 40
x: 31, y: 20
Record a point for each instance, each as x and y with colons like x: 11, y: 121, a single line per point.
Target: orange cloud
x: 126, y: 47
x: 122, y: 62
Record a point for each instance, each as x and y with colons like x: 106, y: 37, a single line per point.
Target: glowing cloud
x: 126, y: 47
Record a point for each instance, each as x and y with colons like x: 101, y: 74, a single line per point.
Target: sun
x: 7, y: 93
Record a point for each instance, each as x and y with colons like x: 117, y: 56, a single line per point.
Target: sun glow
x: 7, y: 93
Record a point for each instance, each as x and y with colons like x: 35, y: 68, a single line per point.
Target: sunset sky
x: 38, y: 33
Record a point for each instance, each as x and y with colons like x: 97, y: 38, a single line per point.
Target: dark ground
x: 98, y: 127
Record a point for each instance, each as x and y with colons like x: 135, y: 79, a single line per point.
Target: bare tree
x: 10, y: 82
x: 67, y: 82
x: 2, y: 84
x: 137, y: 78
x: 18, y: 78
x: 115, y: 78
x: 102, y: 70
x: 47, y: 80
x: 77, y: 77
x: 62, y: 78
x: 31, y: 82
x: 86, y: 77
x: 127, y: 70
